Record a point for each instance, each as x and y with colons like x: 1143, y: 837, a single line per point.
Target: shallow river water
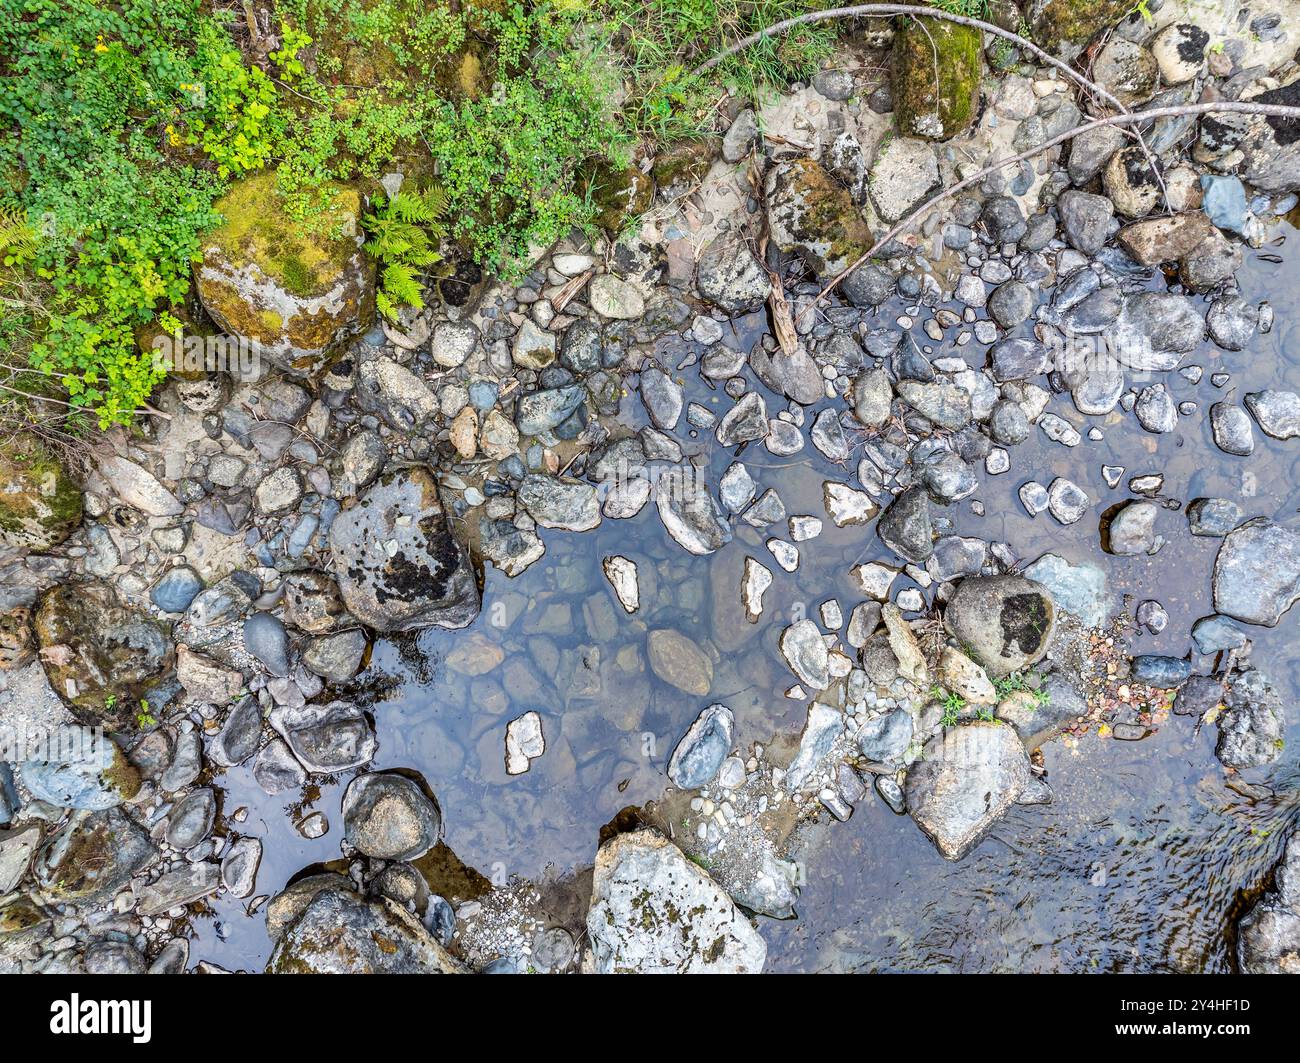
x: 1137, y: 865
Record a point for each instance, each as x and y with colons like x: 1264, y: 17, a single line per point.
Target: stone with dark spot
x: 397, y: 564
x: 1003, y: 622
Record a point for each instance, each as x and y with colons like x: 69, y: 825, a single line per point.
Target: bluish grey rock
x: 1257, y: 572
x: 1213, y: 516
x: 1078, y: 589
x: 1160, y: 671
x: 702, y: 750
x: 1253, y: 725
x: 1213, y: 634
x: 266, y: 639
x: 886, y: 738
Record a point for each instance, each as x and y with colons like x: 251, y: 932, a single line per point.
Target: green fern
x: 404, y: 234
x: 18, y: 241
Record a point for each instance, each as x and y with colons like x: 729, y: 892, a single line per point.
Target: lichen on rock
x: 294, y: 288
x: 40, y: 504
x: 812, y: 214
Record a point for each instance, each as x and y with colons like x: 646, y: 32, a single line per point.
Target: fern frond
x: 410, y: 208
x: 402, y: 286
x: 18, y: 239
x: 385, y: 305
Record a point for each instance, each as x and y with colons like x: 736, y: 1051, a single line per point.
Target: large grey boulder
x: 397, y: 564
x: 654, y: 912
x: 1004, y: 622
x: 1257, y: 572
x: 966, y: 782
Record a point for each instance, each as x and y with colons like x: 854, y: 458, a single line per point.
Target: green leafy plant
x: 404, y: 233
x: 953, y: 705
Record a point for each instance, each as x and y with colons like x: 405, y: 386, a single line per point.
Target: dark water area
x: 1139, y: 864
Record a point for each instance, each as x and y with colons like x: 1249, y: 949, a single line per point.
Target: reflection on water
x: 1137, y: 865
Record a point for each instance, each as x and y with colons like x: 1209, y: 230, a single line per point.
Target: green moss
x: 682, y: 164
x: 1076, y: 21
x: 304, y: 255
x: 616, y: 195
x: 829, y: 218
x: 937, y: 68
x: 40, y: 504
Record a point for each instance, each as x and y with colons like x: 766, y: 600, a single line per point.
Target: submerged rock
x: 1268, y: 936
x: 1257, y: 572
x: 679, y: 661
x: 654, y: 912
x: 397, y: 564
x: 967, y: 782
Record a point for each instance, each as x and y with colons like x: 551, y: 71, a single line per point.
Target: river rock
x: 77, y: 767
x: 294, y: 290
x: 1231, y: 429
x: 326, y: 739
x: 388, y: 817
x: 397, y: 564
x: 806, y: 653
x: 653, y: 911
x: 1252, y: 727
x: 339, y: 932
x: 679, y: 661
x: 1276, y: 412
x: 1133, y: 529
x: 1268, y: 936
x: 560, y: 502
x: 957, y: 791
x: 1257, y: 572
x: 904, y: 174
x: 101, y: 658
x: 689, y: 513
x: 702, y: 750
x: 905, y: 526
x: 92, y: 857
x: 1155, y: 329
x: 40, y: 504
x: 730, y: 277
x: 1086, y: 220
x: 812, y: 215
x: 1004, y: 622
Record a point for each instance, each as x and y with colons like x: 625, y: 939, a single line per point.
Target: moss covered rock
x: 40, y: 505
x: 293, y: 287
x: 618, y: 195
x: 1058, y: 23
x: 813, y: 215
x: 937, y: 68
x: 101, y: 658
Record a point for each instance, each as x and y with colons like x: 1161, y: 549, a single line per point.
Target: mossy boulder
x: 1058, y: 23
x: 40, y: 504
x: 295, y: 288
x: 813, y: 215
x: 100, y: 657
x: 617, y: 194
x: 936, y: 77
